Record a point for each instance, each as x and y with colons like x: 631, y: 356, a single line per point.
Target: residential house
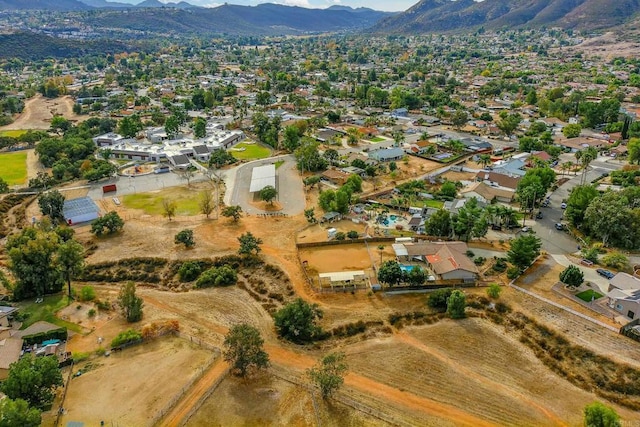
x: 334, y: 176
x: 352, y: 170
x: 499, y: 180
x: 387, y: 154
x: 512, y: 167
x: 486, y: 193
x: 579, y: 144
x: 624, y: 295
x: 421, y: 147
x: 447, y: 260
x: 357, y: 156
x: 108, y: 139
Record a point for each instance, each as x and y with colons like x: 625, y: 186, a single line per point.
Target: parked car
x: 496, y: 227
x: 525, y: 229
x: 545, y: 204
x: 539, y: 215
x: 563, y: 206
x: 559, y: 226
x: 605, y: 273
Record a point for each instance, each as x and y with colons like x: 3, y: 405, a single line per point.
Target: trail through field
x: 38, y: 112
x: 508, y: 391
x: 191, y: 398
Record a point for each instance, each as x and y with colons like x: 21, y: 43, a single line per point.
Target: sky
x: 387, y: 5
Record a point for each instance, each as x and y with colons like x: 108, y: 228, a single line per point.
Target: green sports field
x: 13, y: 167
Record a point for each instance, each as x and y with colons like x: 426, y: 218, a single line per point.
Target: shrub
x: 101, y: 351
x: 438, y: 299
x: 79, y: 356
x: 103, y: 305
x: 185, y: 237
x: 513, y: 273
x: 352, y: 234
x: 126, y: 337
x: 479, y: 260
x: 189, y: 271
x: 500, y: 265
x: 456, y: 304
x: 615, y: 260
x: 494, y: 290
x: 91, y: 312
x: 470, y: 253
x: 217, y: 276
x: 87, y: 293
x: 340, y: 235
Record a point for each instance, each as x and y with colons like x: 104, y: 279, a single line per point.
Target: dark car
x: 605, y: 273
x: 496, y: 227
x: 539, y: 215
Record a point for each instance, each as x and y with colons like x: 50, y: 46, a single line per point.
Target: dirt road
x: 213, y: 376
x: 38, y: 112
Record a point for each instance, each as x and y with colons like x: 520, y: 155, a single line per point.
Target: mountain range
x: 446, y: 15
x: 74, y: 5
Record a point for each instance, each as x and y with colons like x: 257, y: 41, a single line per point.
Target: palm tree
x: 589, y: 155
x: 484, y: 160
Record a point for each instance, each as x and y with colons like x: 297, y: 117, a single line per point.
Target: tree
x: 234, y: 212
x: 456, y: 303
x: 71, y: 260
x: 599, y: 415
x: 169, y: 208
x: 331, y: 156
x: 4, y: 186
x: 328, y: 375
x: 200, y: 128
x: 448, y: 190
x: 268, y: 193
x: 438, y: 298
x: 494, y: 290
x: 572, y: 276
x: 633, y: 147
x: 220, y: 158
x: 615, y: 260
x: 578, y: 202
x: 524, y: 251
x: 34, y: 380
x: 206, y: 203
x: 185, y: 237
x: 296, y: 321
x: 416, y: 276
x: 249, y: 244
x: 32, y: 260
x: 439, y: 224
x: 608, y: 217
x: 459, y: 118
x: 354, y: 182
x: 509, y: 123
x: 130, y: 126
x: 110, y: 223
x: 18, y: 413
x: 59, y: 123
x: 244, y: 349
x: 310, y: 215
x: 572, y: 130
x: 484, y: 160
x: 52, y: 204
x: 390, y: 273
x: 308, y: 157
x: 188, y: 174
x: 471, y: 221
x: 291, y: 138
x: 130, y: 304
x: 172, y: 126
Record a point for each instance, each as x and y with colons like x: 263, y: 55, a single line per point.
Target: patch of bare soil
x: 131, y: 386
x: 606, y: 46
x: 38, y: 112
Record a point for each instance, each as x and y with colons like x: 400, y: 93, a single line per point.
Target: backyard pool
x: 408, y: 268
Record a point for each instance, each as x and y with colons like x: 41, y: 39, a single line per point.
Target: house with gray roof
x: 387, y: 154
x: 624, y: 295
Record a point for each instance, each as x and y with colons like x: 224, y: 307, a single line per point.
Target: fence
x: 64, y: 395
x: 204, y: 397
x: 176, y: 398
x: 630, y: 330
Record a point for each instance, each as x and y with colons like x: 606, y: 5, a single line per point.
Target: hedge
x: 56, y: 334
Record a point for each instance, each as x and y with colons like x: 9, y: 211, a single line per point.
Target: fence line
x: 64, y: 395
x: 567, y: 309
x: 205, y: 396
x: 339, y: 397
x: 180, y: 394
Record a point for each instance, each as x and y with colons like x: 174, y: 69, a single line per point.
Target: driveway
x: 288, y: 183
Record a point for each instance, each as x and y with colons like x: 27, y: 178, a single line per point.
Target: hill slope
x: 55, y: 5
x: 264, y: 19
x: 31, y: 46
x: 447, y: 15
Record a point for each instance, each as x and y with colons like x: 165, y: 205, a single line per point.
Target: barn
x: 80, y: 210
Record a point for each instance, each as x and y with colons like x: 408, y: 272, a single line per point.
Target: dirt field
x: 129, y: 387
x: 607, y: 46
x: 338, y: 258
x: 38, y: 112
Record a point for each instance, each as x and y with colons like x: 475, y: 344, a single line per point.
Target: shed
x: 263, y: 176
x: 343, y: 279
x: 80, y: 210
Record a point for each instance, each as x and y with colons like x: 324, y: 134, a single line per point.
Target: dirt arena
x: 38, y: 112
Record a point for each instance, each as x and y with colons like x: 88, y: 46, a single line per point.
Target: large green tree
x: 524, y: 250
x: 308, y: 157
x: 578, y: 202
x: 249, y: 244
x: 51, y: 204
x: 599, y: 415
x: 32, y: 260
x: 608, y: 217
x: 70, y: 259
x: 297, y: 321
x: 268, y: 193
x: 33, y: 379
x: 109, y: 223
x: 572, y: 276
x: 244, y: 349
x: 470, y: 221
x: 18, y: 413
x: 439, y: 224
x: 390, y: 273
x: 456, y: 303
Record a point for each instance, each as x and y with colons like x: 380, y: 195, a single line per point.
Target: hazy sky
x: 391, y: 5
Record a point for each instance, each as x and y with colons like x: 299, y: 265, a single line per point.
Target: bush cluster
x: 129, y: 336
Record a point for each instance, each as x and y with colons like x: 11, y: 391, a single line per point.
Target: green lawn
x: 13, y: 133
x: 588, y: 294
x: 187, y: 202
x: 376, y: 139
x: 436, y: 204
x: 250, y: 151
x: 13, y: 167
x: 45, y: 311
x: 279, y: 163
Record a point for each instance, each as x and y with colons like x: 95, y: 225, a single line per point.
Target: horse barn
x: 80, y: 210
x: 344, y: 279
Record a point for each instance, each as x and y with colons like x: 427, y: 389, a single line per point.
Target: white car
x: 563, y: 206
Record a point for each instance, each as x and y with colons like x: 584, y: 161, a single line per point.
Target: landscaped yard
x: 245, y: 151
x: 45, y: 311
x: 589, y: 295
x: 12, y: 133
x: 187, y: 201
x: 14, y: 167
x: 436, y: 204
x: 376, y: 139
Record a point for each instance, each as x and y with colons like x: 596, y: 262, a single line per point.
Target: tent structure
x: 263, y: 176
x: 80, y: 210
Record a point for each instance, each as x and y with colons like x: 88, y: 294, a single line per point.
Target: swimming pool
x: 408, y: 268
